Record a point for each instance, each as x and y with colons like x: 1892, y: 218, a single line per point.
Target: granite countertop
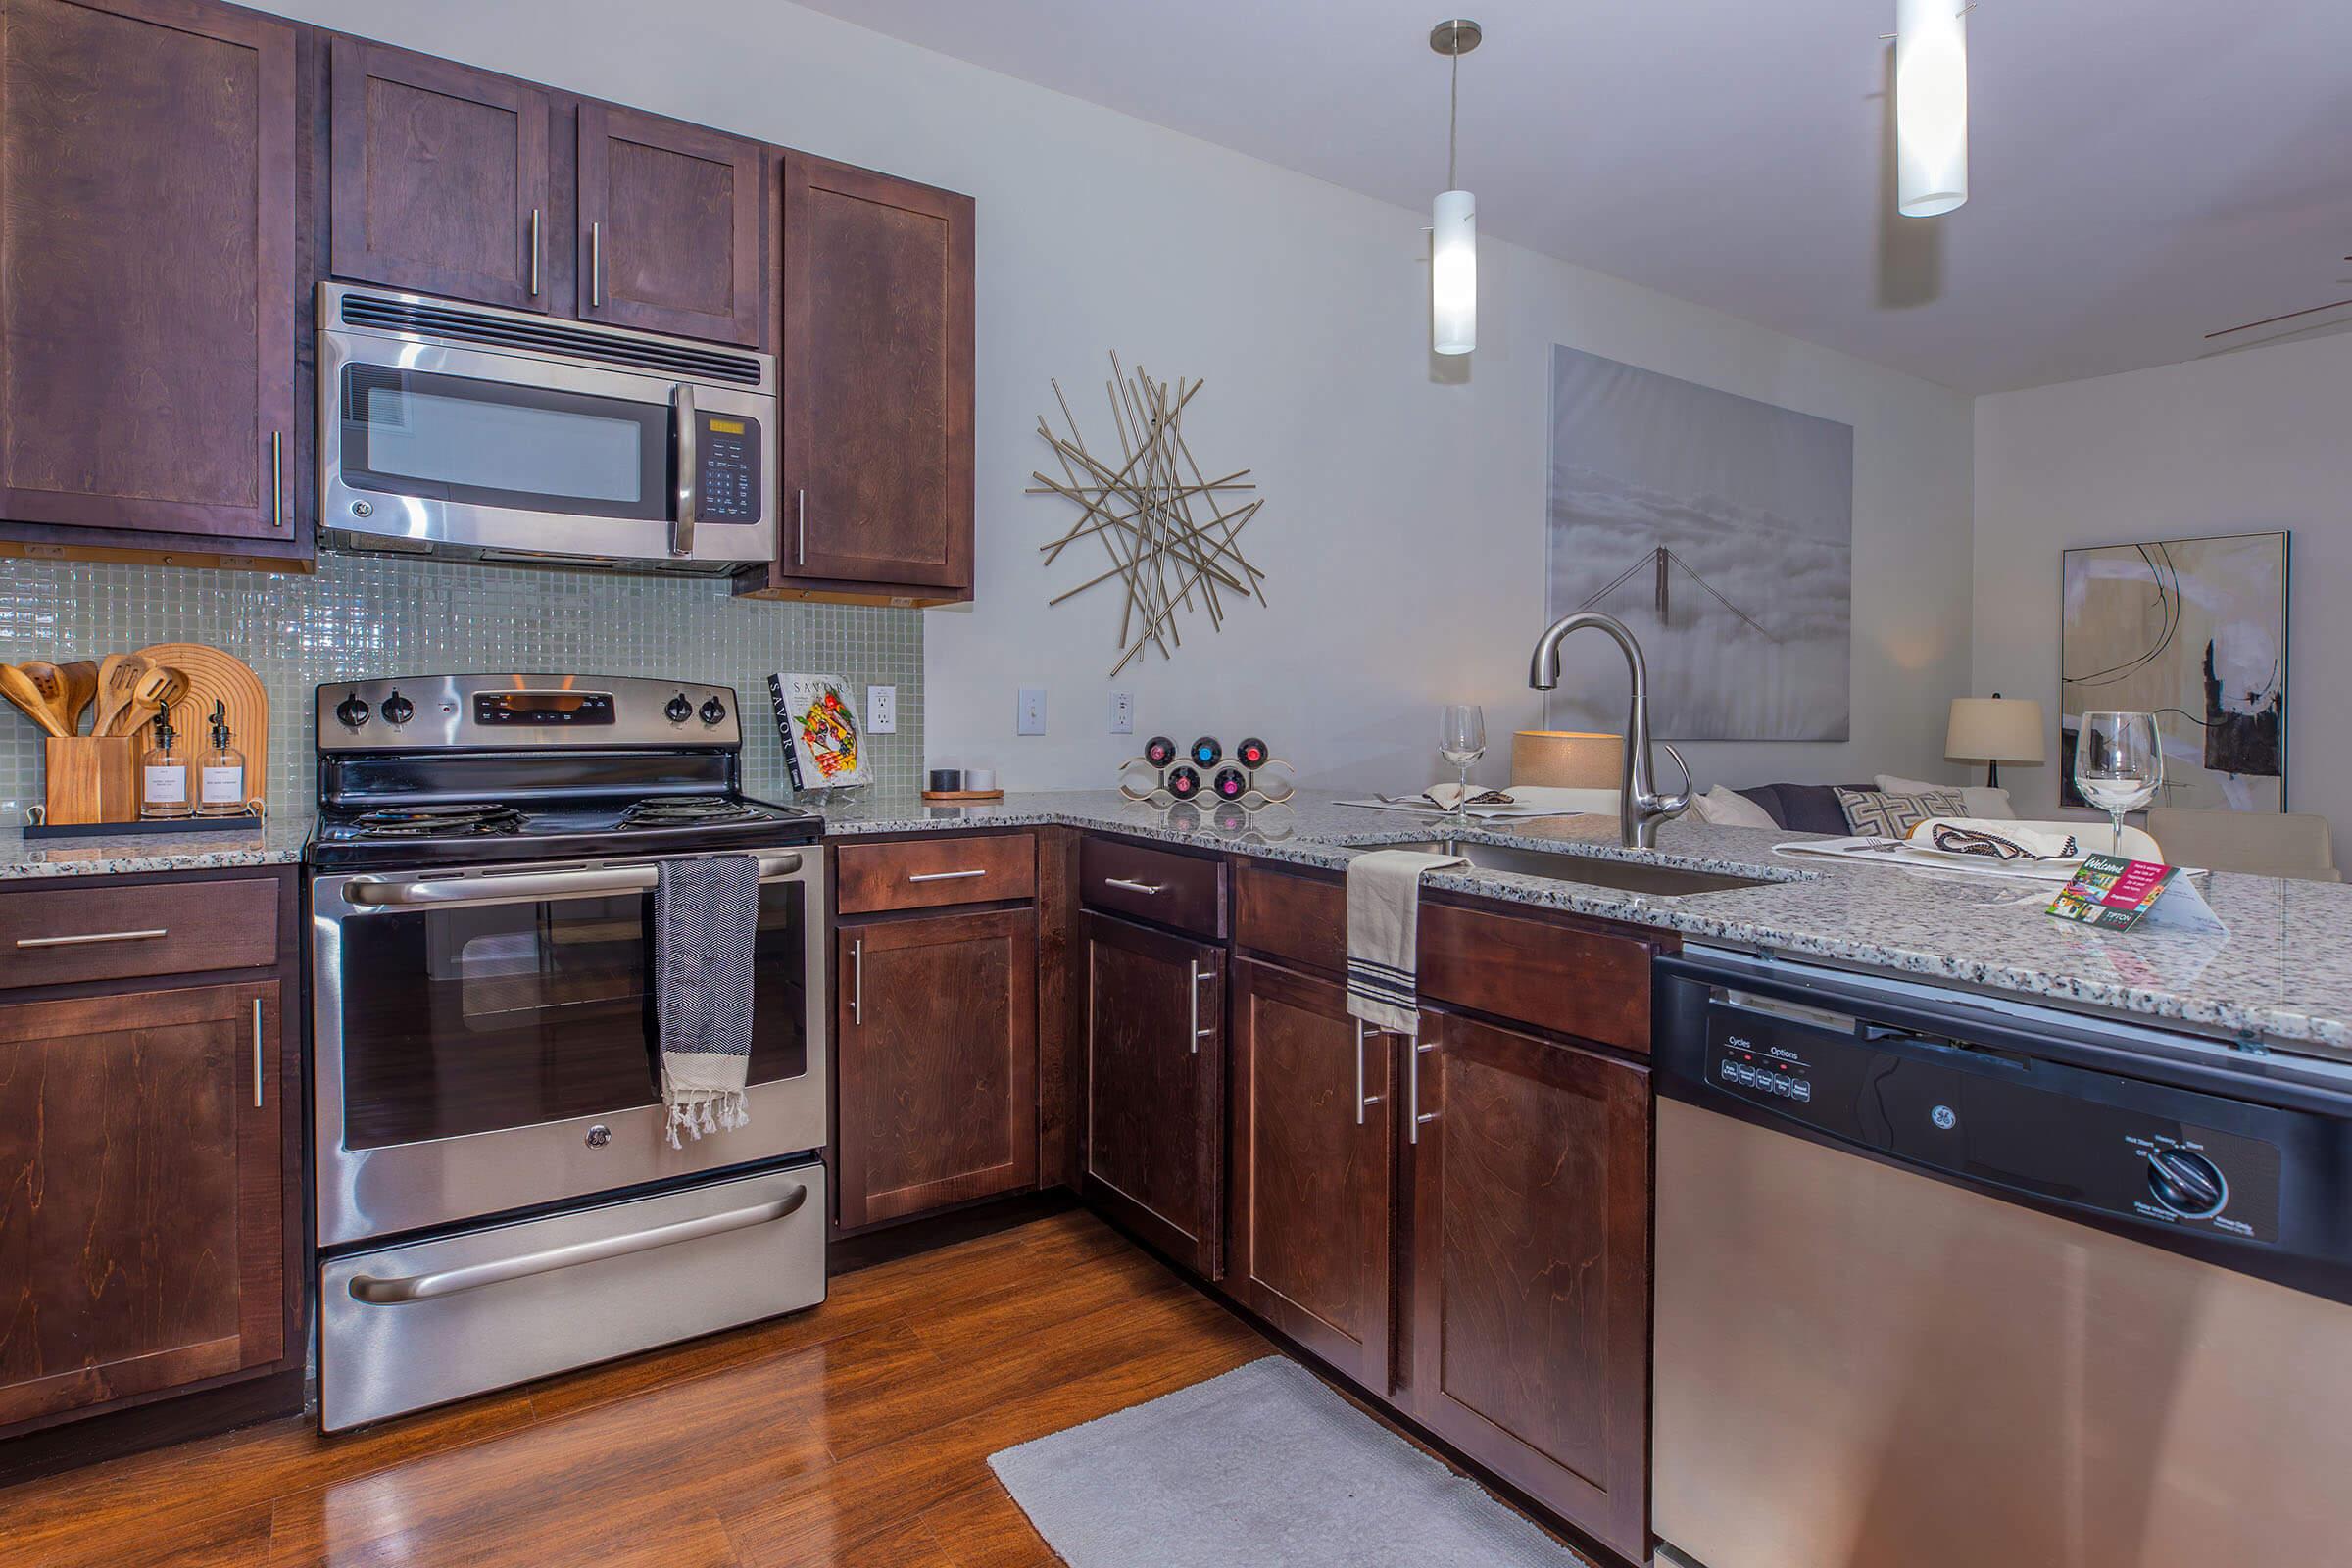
x: 278, y: 842
x: 2278, y: 972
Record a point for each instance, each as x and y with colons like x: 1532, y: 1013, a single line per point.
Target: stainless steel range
x: 496, y: 1196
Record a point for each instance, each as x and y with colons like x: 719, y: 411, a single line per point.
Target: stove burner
x: 453, y: 820
x: 682, y: 809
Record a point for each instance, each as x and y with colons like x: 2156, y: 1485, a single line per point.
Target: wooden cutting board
x: 216, y: 676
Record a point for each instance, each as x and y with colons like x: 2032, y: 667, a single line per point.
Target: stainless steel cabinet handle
x: 688, y: 510
x: 399, y: 1289
x: 534, y: 253
x: 1413, y: 1117
x: 85, y: 939
x: 1132, y: 887
x: 278, y: 478
x: 941, y: 876
x: 857, y: 981
x: 596, y: 264
x: 1363, y: 1101
x: 455, y: 892
x: 799, y: 549
x: 256, y: 1052
x: 1197, y: 1033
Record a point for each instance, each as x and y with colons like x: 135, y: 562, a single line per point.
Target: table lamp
x: 1993, y: 730
x: 1567, y: 759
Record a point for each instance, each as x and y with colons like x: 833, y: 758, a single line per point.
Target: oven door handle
x: 511, y: 887
x: 399, y: 1289
x: 688, y: 510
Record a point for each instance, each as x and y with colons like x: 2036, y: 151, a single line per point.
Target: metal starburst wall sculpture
x: 1167, y: 526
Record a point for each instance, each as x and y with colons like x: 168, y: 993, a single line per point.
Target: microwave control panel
x: 728, y: 468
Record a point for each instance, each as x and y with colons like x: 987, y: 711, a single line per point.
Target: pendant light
x: 1453, y: 217
x: 1930, y: 106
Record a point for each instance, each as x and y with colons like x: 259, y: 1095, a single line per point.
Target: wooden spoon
x: 50, y: 682
x: 82, y: 687
x: 118, y: 677
x: 157, y: 690
x: 17, y: 688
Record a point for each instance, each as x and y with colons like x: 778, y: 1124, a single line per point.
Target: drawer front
x: 1569, y: 978
x: 1184, y: 891
x: 926, y: 873
x: 105, y: 931
x: 432, y: 1321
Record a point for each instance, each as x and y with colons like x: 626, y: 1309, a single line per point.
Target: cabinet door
x: 1528, y: 1281
x: 1313, y: 1151
x: 877, y: 375
x: 440, y: 177
x: 671, y: 220
x: 1155, y: 1087
x: 140, y: 1193
x: 147, y: 268
x: 936, y: 1062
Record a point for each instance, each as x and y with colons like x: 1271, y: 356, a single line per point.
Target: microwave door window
x: 488, y: 443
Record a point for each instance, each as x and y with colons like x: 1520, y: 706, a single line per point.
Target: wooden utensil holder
x: 90, y: 778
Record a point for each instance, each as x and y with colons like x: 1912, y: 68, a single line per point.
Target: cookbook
x: 816, y: 716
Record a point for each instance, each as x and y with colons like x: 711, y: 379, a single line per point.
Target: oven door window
x: 454, y: 438
x: 473, y: 1019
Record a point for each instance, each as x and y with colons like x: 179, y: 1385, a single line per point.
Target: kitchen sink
x: 1568, y: 866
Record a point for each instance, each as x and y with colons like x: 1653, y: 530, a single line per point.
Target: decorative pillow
x: 1985, y: 801
x: 1726, y: 808
x: 1876, y: 813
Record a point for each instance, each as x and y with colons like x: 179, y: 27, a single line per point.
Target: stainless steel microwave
x: 460, y: 431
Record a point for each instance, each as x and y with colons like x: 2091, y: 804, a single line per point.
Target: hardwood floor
x: 857, y: 1433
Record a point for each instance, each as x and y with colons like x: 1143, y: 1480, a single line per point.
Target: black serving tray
x: 215, y: 825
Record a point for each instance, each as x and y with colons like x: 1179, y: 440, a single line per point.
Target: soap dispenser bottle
x: 220, y: 772
x: 164, y: 776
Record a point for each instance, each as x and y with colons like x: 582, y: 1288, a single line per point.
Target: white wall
x: 1403, y: 528
x: 2241, y: 443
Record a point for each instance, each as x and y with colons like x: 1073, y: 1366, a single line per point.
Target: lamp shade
x: 1994, y: 729
x: 1454, y: 273
x: 1930, y: 106
x: 1567, y: 759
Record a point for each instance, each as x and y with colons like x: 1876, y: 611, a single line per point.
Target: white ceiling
x: 2144, y: 171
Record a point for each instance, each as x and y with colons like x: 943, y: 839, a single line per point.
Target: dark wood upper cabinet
x: 147, y: 297
x: 141, y: 1194
x: 937, y: 1064
x: 877, y: 379
x: 1154, y: 1139
x: 1527, y: 1282
x: 440, y: 177
x: 672, y: 226
x: 1313, y: 1161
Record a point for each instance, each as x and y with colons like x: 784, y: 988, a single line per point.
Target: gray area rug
x: 1262, y: 1465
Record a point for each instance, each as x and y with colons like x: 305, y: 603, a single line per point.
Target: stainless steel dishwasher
x: 1946, y: 1281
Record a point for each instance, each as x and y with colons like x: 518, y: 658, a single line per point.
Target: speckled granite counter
x: 2281, y: 971
x: 278, y: 843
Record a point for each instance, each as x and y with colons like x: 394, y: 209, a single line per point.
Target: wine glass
x: 1462, y: 741
x: 2119, y: 766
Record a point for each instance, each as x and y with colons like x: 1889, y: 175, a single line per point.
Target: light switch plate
x: 1033, y: 710
x: 1122, y: 712
x: 881, y: 709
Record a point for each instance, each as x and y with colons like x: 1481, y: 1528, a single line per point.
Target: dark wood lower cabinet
x: 142, y: 1204
x: 937, y: 1060
x: 1313, y: 1163
x: 1155, y: 1072
x: 1526, y: 1315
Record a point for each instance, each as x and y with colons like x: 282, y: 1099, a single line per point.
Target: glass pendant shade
x: 1453, y: 271
x: 1931, y: 107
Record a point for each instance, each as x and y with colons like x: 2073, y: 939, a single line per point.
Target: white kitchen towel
x: 1384, y: 930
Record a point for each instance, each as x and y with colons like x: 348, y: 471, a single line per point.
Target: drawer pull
x: 395, y: 1290
x: 943, y: 876
x: 88, y: 939
x: 1132, y: 887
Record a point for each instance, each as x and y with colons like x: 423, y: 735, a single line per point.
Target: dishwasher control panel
x: 2139, y: 1150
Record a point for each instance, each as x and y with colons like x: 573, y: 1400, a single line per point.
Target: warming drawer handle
x: 86, y: 938
x: 505, y: 888
x: 398, y: 1289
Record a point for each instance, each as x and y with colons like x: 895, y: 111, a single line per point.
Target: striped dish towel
x: 706, y: 918
x: 1384, y: 929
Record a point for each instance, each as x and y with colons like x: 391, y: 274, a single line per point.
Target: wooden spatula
x: 17, y: 688
x: 118, y: 677
x: 157, y: 690
x: 81, y: 689
x: 50, y: 682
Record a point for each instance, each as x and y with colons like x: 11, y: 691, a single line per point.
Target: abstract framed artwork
x: 2195, y: 631
x: 1721, y: 531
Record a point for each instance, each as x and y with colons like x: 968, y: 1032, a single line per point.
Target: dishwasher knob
x: 679, y: 710
x: 398, y: 709
x: 2189, y: 1184
x: 713, y: 710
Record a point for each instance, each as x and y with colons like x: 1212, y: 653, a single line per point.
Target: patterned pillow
x: 1892, y: 816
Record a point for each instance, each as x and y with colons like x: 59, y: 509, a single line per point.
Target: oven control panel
x: 728, y: 468
x: 501, y: 713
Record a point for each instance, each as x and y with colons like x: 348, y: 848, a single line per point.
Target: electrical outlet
x: 1033, y: 710
x: 1122, y: 712
x: 881, y: 709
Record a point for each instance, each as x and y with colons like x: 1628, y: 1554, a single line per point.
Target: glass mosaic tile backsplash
x: 364, y: 616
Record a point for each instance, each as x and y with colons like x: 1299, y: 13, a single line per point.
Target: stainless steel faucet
x: 1640, y: 807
